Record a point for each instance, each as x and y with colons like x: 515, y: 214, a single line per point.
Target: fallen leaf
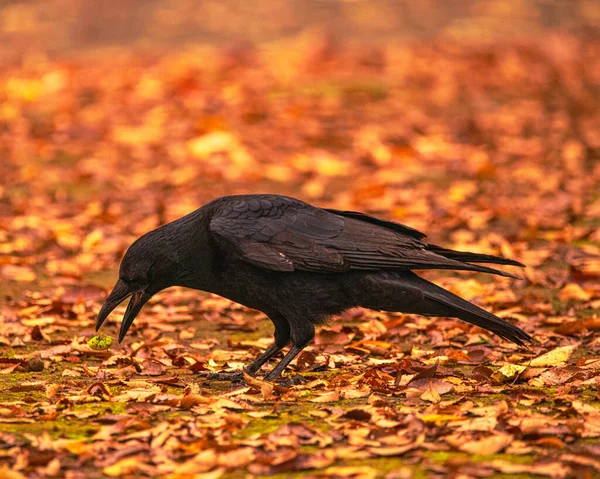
x: 508, y: 371
x: 573, y: 291
x: 488, y: 445
x: 17, y: 273
x: 556, y: 357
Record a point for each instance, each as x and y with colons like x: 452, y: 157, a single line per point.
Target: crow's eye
x: 133, y: 283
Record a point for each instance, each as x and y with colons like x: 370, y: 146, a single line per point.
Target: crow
x: 300, y: 265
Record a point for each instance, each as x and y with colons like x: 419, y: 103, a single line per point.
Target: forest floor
x: 492, y: 148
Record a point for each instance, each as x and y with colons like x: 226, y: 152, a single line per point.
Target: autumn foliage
x: 492, y: 148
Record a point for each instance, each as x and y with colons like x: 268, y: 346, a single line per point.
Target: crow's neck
x: 189, y: 246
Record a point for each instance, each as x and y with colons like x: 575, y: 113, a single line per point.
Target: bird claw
x: 233, y: 376
x: 293, y: 381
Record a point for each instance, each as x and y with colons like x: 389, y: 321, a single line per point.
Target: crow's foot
x: 233, y: 376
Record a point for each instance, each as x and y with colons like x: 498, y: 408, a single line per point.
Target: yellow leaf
x: 6, y: 473
x: 214, y: 142
x: 17, y: 273
x: 124, y: 466
x: 200, y: 463
x: 322, y: 163
x: 77, y: 447
x: 439, y: 419
x: 556, y: 357
x: 92, y: 240
x: 431, y: 395
x: 461, y: 190
x: 574, y: 291
x: 354, y: 472
x: 508, y: 371
x: 281, y: 173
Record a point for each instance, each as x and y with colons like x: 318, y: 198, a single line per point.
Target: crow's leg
x: 282, y: 338
x: 301, y: 333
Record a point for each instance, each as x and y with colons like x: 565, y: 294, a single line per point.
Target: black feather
x: 440, y: 302
x: 472, y: 257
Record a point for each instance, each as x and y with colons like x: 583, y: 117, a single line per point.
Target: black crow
x: 299, y: 264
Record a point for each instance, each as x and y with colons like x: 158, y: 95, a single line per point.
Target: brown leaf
x: 350, y: 472
x: 426, y: 373
x: 487, y: 445
x: 151, y: 367
x: 17, y: 273
x: 265, y: 387
x: 570, y: 328
x: 306, y: 360
x: 550, y: 442
x: 330, y: 396
x: 438, y: 385
x: 553, y: 469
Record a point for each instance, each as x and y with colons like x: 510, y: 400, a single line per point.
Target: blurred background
x: 73, y: 25
x: 475, y: 121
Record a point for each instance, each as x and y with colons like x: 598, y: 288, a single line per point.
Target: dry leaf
x: 485, y: 446
x: 556, y: 357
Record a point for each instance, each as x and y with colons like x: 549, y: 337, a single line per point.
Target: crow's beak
x: 138, y: 300
x: 119, y: 293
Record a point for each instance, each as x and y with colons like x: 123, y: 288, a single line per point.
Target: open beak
x: 138, y: 300
x: 119, y: 293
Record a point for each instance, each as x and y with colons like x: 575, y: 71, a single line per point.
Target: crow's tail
x: 471, y: 257
x: 439, y: 302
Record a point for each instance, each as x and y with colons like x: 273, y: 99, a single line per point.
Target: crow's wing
x: 282, y: 234
x: 403, y: 229
x: 279, y: 233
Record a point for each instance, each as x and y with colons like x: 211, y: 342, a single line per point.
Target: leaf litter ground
x: 492, y: 149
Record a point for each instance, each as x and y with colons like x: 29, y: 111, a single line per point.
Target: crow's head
x: 150, y: 265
